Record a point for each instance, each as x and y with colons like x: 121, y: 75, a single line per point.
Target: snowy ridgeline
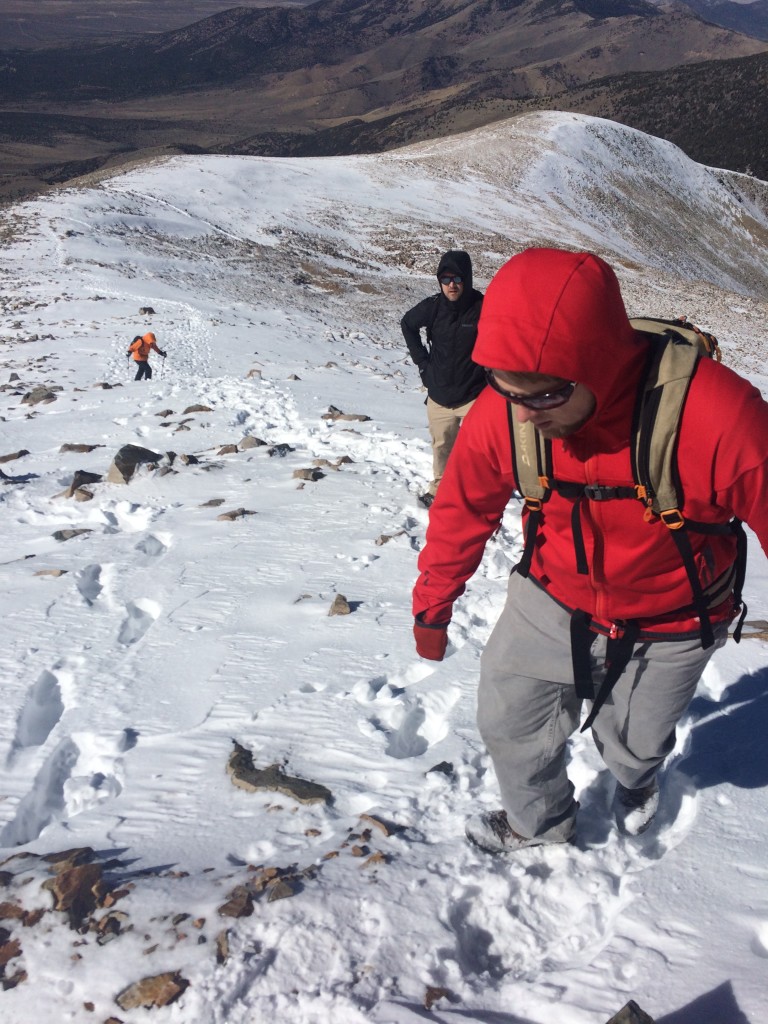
x: 154, y: 629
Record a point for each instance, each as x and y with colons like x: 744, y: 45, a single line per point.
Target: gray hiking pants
x: 528, y: 708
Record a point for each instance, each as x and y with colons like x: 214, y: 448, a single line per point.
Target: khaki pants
x: 528, y: 708
x: 444, y: 426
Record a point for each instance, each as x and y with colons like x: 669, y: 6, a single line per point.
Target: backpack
x: 677, y: 346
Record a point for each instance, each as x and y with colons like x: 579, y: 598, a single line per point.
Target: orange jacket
x: 143, y: 346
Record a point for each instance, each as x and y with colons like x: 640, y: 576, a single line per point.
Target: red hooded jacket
x: 561, y: 314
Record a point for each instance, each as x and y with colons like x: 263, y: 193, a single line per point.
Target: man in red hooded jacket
x: 562, y: 354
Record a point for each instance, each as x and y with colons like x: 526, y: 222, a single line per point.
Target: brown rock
x: 9, y: 949
x: 340, y: 606
x: 14, y: 455
x: 336, y: 414
x: 228, y: 449
x: 159, y: 990
x: 308, y: 474
x: 249, y: 441
x: 69, y: 858
x: 236, y: 513
x: 385, y: 538
x: 389, y: 828
x: 75, y: 892
x: 239, y: 903
x: 222, y: 947
x: 11, y: 912
x: 244, y: 775
x: 433, y: 994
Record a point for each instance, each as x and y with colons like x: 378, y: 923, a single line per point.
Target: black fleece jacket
x: 445, y: 362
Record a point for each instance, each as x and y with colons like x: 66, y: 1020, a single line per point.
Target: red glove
x: 431, y: 639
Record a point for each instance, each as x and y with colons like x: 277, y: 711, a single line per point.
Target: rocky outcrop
x: 336, y: 414
x: 244, y: 775
x: 127, y: 461
x: 631, y: 1014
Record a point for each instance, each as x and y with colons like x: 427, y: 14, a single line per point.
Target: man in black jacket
x: 445, y: 364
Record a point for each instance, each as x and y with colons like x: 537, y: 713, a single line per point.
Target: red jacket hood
x: 561, y: 314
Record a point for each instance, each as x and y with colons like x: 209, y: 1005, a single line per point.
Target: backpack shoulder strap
x: 532, y: 468
x: 675, y: 351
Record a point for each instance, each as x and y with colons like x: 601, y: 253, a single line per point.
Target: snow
x: 172, y: 633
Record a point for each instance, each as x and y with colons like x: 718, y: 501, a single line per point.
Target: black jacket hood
x: 456, y: 261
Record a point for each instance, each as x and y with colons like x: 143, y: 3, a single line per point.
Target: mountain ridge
x: 337, y: 75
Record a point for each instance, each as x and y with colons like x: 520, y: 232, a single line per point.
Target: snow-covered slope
x: 277, y: 287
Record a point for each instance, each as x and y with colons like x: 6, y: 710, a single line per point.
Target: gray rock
x: 62, y: 535
x: 280, y: 450
x: 80, y: 479
x: 38, y: 395
x: 336, y: 414
x: 249, y: 441
x: 631, y: 1014
x: 239, y: 903
x: 126, y: 462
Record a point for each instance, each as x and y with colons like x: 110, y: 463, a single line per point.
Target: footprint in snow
x: 81, y: 772
x: 141, y: 614
x: 88, y: 582
x: 412, y: 714
x: 40, y: 714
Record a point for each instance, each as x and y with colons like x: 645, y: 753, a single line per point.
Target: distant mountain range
x: 749, y: 18
x: 349, y: 75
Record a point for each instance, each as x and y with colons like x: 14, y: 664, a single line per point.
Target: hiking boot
x: 493, y: 833
x: 635, y: 809
x: 425, y: 499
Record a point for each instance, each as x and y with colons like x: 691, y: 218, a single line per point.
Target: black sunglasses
x: 450, y: 279
x: 546, y: 400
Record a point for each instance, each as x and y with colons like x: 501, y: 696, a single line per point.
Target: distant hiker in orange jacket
x: 140, y: 348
